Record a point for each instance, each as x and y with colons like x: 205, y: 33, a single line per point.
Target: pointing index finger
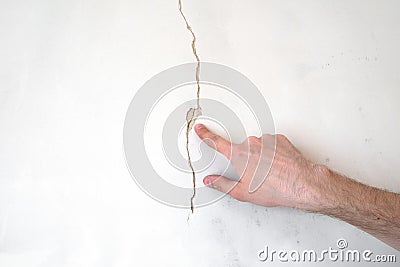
x: 213, y: 140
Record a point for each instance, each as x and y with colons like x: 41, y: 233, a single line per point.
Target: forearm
x: 373, y: 210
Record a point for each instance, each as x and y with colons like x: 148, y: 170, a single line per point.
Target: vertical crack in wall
x: 194, y: 112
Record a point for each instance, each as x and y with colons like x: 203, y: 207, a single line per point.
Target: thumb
x: 224, y: 185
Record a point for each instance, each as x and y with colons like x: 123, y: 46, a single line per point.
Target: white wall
x: 68, y: 70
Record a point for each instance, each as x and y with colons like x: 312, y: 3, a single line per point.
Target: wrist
x: 321, y: 185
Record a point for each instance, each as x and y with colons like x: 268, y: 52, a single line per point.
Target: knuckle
x: 253, y: 139
x: 214, y: 138
x: 281, y: 137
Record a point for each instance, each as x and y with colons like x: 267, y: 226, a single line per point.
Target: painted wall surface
x: 69, y: 69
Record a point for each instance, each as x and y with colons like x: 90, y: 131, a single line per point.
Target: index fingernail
x: 199, y: 126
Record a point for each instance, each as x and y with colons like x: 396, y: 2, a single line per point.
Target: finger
x: 225, y: 185
x: 213, y: 140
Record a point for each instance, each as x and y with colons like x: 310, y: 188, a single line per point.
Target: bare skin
x: 294, y: 181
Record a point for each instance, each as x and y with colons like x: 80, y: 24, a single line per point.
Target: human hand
x: 290, y: 180
x: 293, y: 181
